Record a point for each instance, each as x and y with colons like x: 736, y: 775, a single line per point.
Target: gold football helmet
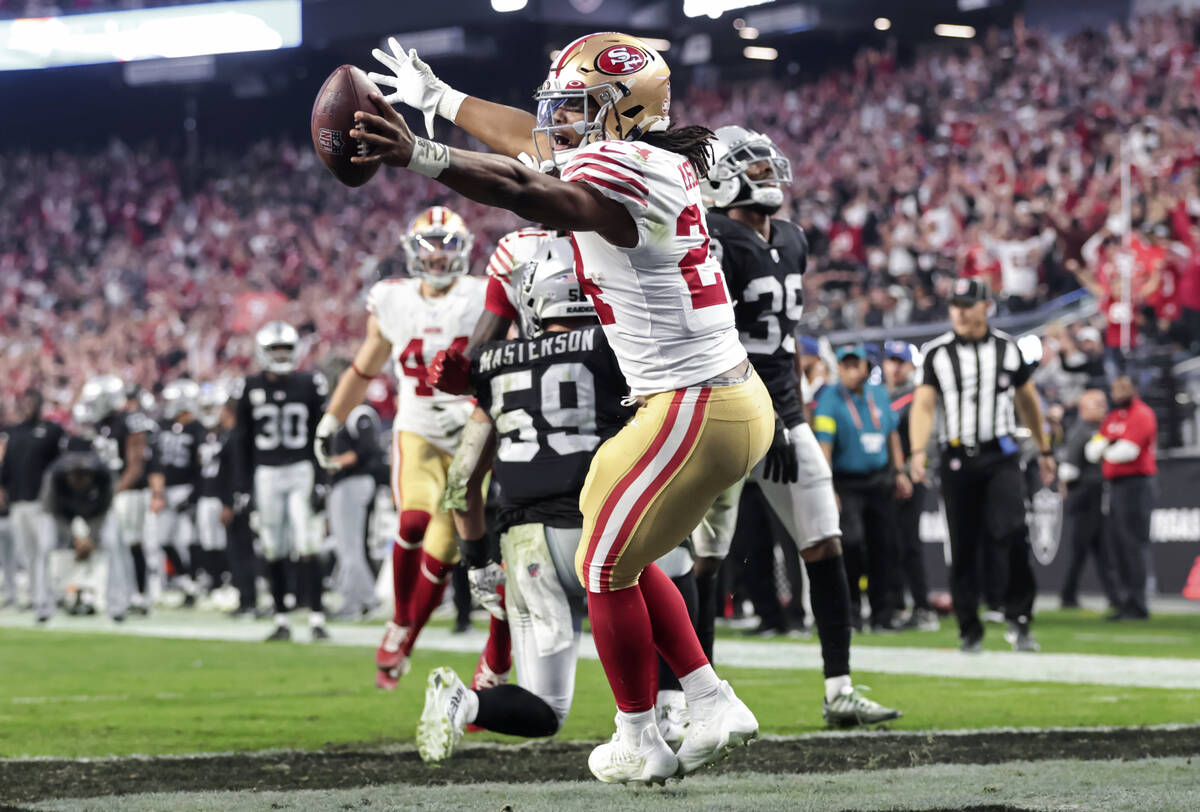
x: 620, y: 84
x: 438, y: 247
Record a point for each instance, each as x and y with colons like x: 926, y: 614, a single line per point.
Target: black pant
x: 1083, y: 536
x: 910, y: 555
x: 752, y: 560
x: 242, y: 565
x: 868, y: 522
x: 985, y: 511
x: 1130, y: 500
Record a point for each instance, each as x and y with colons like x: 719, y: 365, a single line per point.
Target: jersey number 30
x: 285, y: 426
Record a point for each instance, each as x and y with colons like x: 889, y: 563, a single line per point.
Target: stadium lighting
x: 715, y: 8
x: 760, y: 52
x: 505, y: 6
x: 657, y: 44
x: 882, y: 23
x: 747, y: 32
x: 955, y: 31
x: 124, y: 36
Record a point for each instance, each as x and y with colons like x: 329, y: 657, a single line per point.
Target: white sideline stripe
x: 1077, y: 669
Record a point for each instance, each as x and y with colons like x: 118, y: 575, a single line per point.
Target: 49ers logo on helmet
x: 620, y: 60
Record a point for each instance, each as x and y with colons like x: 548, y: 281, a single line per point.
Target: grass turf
x: 67, y: 694
x: 1074, y: 631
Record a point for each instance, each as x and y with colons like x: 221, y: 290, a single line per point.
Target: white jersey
x: 513, y: 250
x: 664, y: 304
x: 418, y: 328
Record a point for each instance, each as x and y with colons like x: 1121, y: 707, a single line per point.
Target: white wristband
x: 429, y: 158
x: 449, y: 102
x: 328, y: 425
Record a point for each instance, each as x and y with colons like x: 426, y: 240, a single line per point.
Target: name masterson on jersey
x: 523, y: 352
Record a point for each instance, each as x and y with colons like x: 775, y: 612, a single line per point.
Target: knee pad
x: 413, y: 524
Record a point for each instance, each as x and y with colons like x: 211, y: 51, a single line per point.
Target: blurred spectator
x: 1083, y: 522
x: 898, y: 369
x: 1126, y: 449
x: 856, y: 427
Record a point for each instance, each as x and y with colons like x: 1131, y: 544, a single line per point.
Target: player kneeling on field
x: 549, y: 400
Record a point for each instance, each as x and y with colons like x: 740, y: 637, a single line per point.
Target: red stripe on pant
x: 614, y: 496
x: 669, y: 470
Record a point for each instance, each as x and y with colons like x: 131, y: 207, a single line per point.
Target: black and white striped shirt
x: 975, y: 381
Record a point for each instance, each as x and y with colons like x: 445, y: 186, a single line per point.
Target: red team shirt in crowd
x: 1138, y: 425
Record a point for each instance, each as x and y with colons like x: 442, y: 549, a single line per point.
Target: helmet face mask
x: 548, y: 289
x: 437, y: 247
x: 100, y: 396
x: 749, y: 171
x: 180, y: 397
x: 277, y: 348
x: 620, y: 86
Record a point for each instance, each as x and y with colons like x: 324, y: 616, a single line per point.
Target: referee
x: 978, y: 376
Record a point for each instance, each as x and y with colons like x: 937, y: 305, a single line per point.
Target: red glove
x: 450, y: 372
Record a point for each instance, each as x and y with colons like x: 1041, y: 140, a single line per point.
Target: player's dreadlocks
x: 691, y: 141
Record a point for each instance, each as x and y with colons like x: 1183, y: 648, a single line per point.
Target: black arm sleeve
x: 243, y: 443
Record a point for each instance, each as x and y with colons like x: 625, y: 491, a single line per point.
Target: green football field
x: 86, y: 690
x: 75, y: 694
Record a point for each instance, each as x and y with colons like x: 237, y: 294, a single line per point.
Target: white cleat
x: 672, y: 716
x: 729, y: 725
x: 443, y: 719
x: 649, y: 761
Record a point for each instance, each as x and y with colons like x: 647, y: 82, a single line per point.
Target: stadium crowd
x: 1001, y: 160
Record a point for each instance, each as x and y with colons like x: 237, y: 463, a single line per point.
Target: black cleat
x: 282, y: 634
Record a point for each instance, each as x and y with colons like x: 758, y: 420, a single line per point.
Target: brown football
x: 344, y: 92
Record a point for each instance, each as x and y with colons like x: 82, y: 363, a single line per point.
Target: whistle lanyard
x: 874, y: 411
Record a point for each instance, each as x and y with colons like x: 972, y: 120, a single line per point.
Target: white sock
x: 316, y: 619
x: 471, y: 707
x: 834, y: 686
x: 700, y: 688
x: 631, y: 725
x: 282, y: 620
x: 669, y: 697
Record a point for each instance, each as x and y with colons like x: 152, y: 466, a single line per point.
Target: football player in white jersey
x: 629, y: 194
x: 412, y: 319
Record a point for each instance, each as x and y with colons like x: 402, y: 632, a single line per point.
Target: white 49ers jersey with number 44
x: 418, y: 328
x: 664, y: 304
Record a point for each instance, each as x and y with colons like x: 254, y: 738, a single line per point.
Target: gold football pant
x: 651, y: 484
x: 418, y: 479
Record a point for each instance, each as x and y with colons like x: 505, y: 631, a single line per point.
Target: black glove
x: 317, y: 498
x: 780, y: 464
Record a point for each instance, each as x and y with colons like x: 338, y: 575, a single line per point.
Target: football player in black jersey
x: 222, y: 513
x: 764, y: 259
x: 174, y: 475
x: 119, y: 436
x: 277, y: 418
x: 545, y: 403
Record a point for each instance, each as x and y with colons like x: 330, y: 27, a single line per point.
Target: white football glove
x: 323, y: 444
x: 415, y: 85
x: 484, y: 582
